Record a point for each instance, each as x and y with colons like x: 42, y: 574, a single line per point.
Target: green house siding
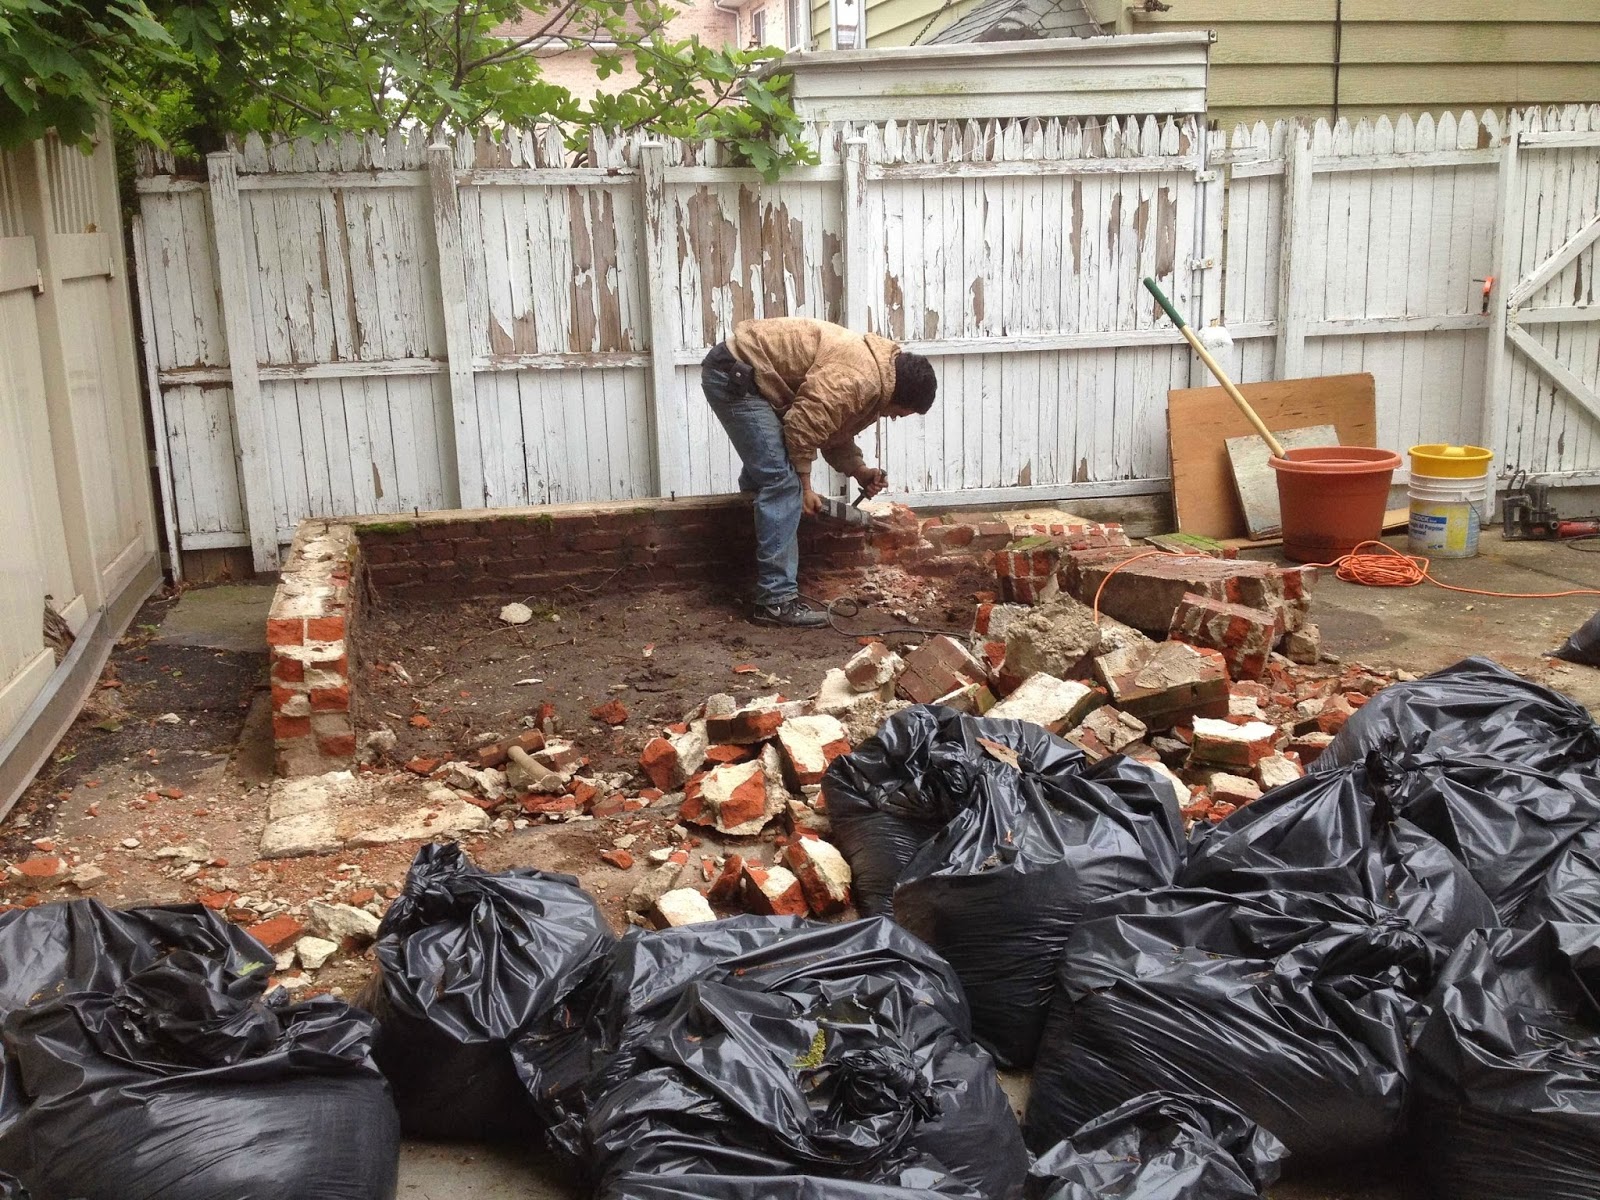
x: 1323, y: 58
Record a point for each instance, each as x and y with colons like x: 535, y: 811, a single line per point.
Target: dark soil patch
x: 209, y: 691
x: 661, y: 653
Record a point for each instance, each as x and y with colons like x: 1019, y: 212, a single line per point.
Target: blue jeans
x: 756, y: 432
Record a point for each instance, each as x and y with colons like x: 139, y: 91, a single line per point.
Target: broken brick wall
x: 533, y: 551
x: 310, y: 627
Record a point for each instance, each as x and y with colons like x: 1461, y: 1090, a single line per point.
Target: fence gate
x: 1545, y: 358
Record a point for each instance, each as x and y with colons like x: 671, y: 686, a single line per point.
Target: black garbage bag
x: 1570, y: 890
x: 1583, y: 645
x: 1507, y: 1068
x: 900, y: 787
x: 83, y: 946
x: 467, y: 961
x: 1477, y: 708
x: 1160, y: 1146
x: 1339, y: 834
x: 1293, y: 1007
x: 188, y: 1082
x: 1510, y: 824
x: 997, y: 888
x: 756, y: 1047
x: 912, y: 1185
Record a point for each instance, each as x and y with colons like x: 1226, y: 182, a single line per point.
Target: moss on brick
x: 383, y: 527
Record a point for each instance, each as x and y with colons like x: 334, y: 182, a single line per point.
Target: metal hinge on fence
x: 1202, y: 264
x: 1205, y: 176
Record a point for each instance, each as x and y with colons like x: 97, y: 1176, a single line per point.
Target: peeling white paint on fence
x: 592, y: 283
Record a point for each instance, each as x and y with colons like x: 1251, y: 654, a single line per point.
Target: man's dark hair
x: 914, y: 382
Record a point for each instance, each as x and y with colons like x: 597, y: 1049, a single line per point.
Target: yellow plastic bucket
x: 1438, y: 461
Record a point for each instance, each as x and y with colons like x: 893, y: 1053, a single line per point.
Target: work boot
x: 792, y: 614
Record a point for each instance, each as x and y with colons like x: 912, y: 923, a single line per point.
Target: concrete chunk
x: 1276, y: 771
x: 1059, y: 638
x: 339, y: 921
x: 1223, y: 744
x: 873, y: 667
x: 679, y: 907
x: 1055, y: 704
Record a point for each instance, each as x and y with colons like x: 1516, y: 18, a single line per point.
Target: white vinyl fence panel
x: 502, y: 322
x: 77, y: 530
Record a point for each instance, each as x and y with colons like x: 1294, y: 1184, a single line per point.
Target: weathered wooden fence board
x: 1010, y: 252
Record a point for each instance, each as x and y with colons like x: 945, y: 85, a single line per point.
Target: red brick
x: 583, y: 791
x: 613, y: 805
x: 1242, y: 635
x: 774, y: 893
x: 745, y: 726
x: 548, y: 804
x: 276, y: 933
x: 661, y: 764
x: 288, y: 670
x: 217, y: 901
x: 422, y: 766
x: 282, y: 695
x: 950, y: 537
x: 290, y: 727
x: 936, y: 668
x: 42, y: 867
x: 495, y: 755
x: 331, y: 699
x: 620, y: 859
x: 612, y: 712
x: 1165, y: 685
x: 324, y: 629
x: 730, y: 754
x: 726, y: 889
x: 285, y: 631
x: 337, y: 745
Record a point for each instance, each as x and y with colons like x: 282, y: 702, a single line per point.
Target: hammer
x: 495, y: 754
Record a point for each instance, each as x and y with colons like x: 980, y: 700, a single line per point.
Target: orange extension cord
x: 1390, y: 568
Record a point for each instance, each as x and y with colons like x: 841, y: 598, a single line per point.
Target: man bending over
x: 787, y: 389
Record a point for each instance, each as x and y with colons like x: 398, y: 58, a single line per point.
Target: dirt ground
x: 661, y: 653
x: 174, y: 750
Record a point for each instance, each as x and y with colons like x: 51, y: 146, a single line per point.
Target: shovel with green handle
x: 1214, y: 367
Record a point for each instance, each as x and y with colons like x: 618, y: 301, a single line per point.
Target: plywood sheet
x: 1200, y: 420
x: 1256, y: 481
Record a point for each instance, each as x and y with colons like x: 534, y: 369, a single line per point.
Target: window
x: 798, y: 36
x: 758, y: 27
x: 848, y: 31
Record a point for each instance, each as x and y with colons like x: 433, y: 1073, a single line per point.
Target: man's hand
x: 810, y: 502
x: 872, y: 480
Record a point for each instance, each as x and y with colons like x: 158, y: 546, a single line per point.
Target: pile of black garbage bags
x: 1400, y: 951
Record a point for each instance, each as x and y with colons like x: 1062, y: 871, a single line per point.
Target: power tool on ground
x: 1527, y: 515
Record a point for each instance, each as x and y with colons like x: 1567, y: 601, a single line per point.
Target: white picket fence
x: 359, y: 327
